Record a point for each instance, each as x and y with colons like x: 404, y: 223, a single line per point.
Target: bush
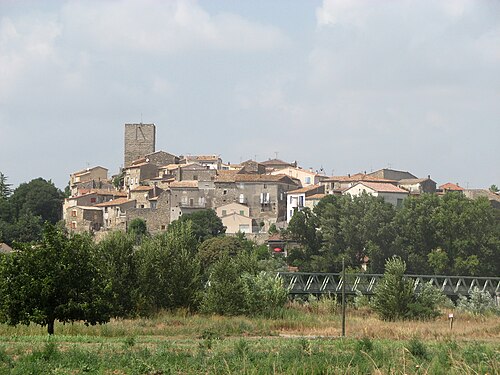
x: 478, y: 303
x: 395, y: 297
x: 234, y: 290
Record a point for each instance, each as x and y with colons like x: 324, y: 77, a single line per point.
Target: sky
x: 343, y: 85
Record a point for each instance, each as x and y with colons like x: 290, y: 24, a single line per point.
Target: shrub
x: 395, y: 297
x: 264, y: 294
x: 478, y: 303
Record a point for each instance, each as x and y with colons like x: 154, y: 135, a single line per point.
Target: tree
x: 494, y: 189
x: 38, y: 197
x: 5, y: 189
x: 205, y: 224
x: 119, y: 266
x: 55, y: 279
x: 396, y: 299
x: 213, y: 249
x: 137, y: 229
x: 168, y: 270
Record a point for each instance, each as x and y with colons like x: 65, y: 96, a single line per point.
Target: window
x: 242, y: 198
x: 291, y: 199
x: 224, y: 212
x: 92, y: 200
x: 163, y: 227
x: 399, y: 203
x: 301, y: 201
x: 195, y: 177
x: 242, y: 213
x: 142, y: 206
x: 73, y: 213
x: 224, y: 192
x: 308, y: 180
x: 73, y: 225
x: 191, y: 202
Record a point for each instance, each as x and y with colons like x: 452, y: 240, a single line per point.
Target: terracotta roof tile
x: 142, y: 188
x: 315, y: 196
x: 304, y: 189
x: 114, y: 202
x: 451, y: 187
x: 184, y: 184
x: 382, y: 187
x: 357, y: 177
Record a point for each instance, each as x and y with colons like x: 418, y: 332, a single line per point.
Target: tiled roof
x: 114, y: 202
x: 275, y: 162
x: 202, y: 157
x: 382, y: 187
x: 137, y: 165
x: 87, y: 170
x: 184, y: 184
x: 234, y: 176
x: 115, y: 193
x: 226, y: 176
x: 451, y: 187
x: 143, y: 188
x: 411, y: 181
x: 357, y: 177
x: 303, y: 190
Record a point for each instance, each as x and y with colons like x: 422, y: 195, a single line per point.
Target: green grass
x: 304, y: 340
x: 61, y: 355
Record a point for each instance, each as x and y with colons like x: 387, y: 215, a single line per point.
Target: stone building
x: 135, y: 174
x: 140, y: 140
x: 392, y: 174
x: 145, y: 196
x: 114, y: 213
x: 418, y: 185
x: 236, y: 218
x: 84, y: 219
x: 157, y: 216
x: 264, y: 195
x: 89, y: 177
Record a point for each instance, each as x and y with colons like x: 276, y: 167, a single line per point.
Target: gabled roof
x: 160, y: 152
x: 304, y: 189
x: 381, y: 187
x: 142, y: 188
x: 451, y: 187
x: 184, y: 184
x: 226, y: 176
x: 411, y: 181
x: 105, y: 192
x: 201, y: 157
x: 4, y: 248
x: 115, y: 202
x: 358, y: 177
x: 275, y: 162
x: 87, y: 170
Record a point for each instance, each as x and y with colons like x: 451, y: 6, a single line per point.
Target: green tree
x: 169, y: 270
x: 38, y: 197
x: 55, y: 279
x: 494, y: 189
x: 213, y: 249
x: 119, y: 265
x: 137, y: 229
x: 205, y: 224
x: 5, y: 188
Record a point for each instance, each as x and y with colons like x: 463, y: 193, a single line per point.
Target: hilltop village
x: 250, y: 197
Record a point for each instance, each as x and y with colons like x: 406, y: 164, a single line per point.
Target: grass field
x: 305, y: 340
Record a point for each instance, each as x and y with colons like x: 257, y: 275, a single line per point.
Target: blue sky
x: 348, y: 86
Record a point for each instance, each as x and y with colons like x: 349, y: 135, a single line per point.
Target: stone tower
x: 139, y: 141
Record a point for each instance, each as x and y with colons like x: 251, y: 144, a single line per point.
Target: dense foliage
x: 55, y: 279
x: 24, y: 210
x: 450, y: 235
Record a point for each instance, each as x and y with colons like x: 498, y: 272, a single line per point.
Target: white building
x: 296, y: 199
x: 391, y: 194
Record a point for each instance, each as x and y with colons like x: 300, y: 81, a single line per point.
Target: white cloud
x: 165, y: 27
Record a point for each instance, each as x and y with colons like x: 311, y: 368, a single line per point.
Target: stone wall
x: 139, y: 141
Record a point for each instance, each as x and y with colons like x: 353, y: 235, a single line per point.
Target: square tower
x: 139, y: 141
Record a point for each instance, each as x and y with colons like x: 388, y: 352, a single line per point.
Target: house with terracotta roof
x: 186, y: 197
x: 90, y: 177
x: 449, y: 187
x: 210, y: 161
x: 236, y: 218
x: 115, y: 212
x: 338, y: 184
x: 136, y: 174
x: 275, y: 164
x: 296, y: 199
x: 392, y: 174
x: 80, y: 219
x: 145, y: 196
x: 391, y: 193
x: 307, y: 177
x: 263, y: 194
x: 418, y: 185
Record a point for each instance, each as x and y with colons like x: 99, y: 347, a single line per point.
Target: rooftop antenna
x: 255, y: 157
x: 141, y: 118
x: 276, y: 154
